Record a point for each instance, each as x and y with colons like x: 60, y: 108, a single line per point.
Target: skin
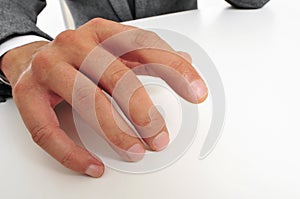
x: 43, y: 74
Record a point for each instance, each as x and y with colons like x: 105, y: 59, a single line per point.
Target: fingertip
x: 135, y: 153
x: 160, y: 141
x: 203, y: 98
x: 199, y: 91
x: 95, y: 170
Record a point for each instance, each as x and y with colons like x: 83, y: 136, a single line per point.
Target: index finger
x: 158, y: 57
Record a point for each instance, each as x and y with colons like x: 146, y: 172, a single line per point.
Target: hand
x: 43, y: 74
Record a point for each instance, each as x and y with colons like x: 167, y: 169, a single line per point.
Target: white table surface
x: 257, y: 55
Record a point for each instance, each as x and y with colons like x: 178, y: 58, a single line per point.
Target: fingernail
x: 94, y: 171
x: 135, y: 153
x: 161, y: 141
x: 199, y: 90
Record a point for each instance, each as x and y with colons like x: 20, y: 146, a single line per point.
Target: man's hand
x: 44, y: 74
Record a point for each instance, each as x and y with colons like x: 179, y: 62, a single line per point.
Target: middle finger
x: 122, y: 84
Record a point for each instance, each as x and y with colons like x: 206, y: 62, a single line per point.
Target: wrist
x: 14, y: 62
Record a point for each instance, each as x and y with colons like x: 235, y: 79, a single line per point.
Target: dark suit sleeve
x: 18, y: 17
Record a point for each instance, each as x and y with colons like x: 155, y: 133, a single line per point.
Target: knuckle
x: 177, y: 65
x: 142, y: 122
x: 116, y: 75
x: 151, y: 119
x: 96, y: 22
x: 40, y: 59
x: 97, y: 27
x: 118, y: 140
x: 67, y: 36
x: 180, y: 68
x: 83, y: 95
x: 144, y: 38
x: 68, y: 157
x: 41, y: 135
